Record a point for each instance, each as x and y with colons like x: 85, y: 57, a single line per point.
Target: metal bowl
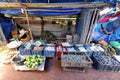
x: 19, y: 60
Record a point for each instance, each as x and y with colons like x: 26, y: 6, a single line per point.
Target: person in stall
x: 24, y: 35
x: 107, y: 31
x: 7, y: 26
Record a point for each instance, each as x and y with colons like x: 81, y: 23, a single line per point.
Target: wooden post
x: 91, y: 25
x: 48, y: 1
x: 28, y: 23
x: 42, y: 24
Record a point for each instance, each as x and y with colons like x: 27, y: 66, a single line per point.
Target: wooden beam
x: 47, y: 5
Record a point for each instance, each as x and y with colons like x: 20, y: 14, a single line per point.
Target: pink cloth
x: 106, y: 19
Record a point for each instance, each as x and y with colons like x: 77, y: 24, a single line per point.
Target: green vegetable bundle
x: 46, y: 35
x: 33, y: 61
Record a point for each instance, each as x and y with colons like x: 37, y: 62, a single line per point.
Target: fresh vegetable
x: 33, y: 61
x: 46, y: 35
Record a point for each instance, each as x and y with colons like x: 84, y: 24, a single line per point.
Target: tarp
x: 112, y: 24
x: 46, y: 11
x: 12, y: 12
x: 56, y: 11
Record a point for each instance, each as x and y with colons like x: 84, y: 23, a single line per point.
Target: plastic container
x: 105, y: 67
x: 59, y: 50
x: 40, y: 52
x: 24, y: 51
x: 115, y: 44
x: 93, y: 49
x: 49, y: 51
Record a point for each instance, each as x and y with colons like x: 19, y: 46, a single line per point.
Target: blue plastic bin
x: 49, y: 53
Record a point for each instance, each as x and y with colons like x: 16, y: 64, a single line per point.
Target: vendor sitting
x: 109, y: 31
x: 24, y: 35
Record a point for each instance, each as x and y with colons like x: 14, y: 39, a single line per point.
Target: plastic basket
x: 49, y: 53
x: 59, y: 50
x: 93, y: 49
x: 71, y: 48
x: 105, y: 67
x: 39, y: 52
x: 29, y: 51
x: 24, y: 51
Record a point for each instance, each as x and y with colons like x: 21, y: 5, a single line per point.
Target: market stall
x: 37, y: 37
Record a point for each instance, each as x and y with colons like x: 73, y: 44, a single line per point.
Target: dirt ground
x: 53, y: 71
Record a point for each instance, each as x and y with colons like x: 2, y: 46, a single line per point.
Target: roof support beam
x: 48, y: 5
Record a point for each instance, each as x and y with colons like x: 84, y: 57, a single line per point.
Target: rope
x: 27, y: 17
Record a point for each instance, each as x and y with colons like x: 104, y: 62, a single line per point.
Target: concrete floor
x: 53, y: 71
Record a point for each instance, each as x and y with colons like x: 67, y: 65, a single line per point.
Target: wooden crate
x: 75, y: 59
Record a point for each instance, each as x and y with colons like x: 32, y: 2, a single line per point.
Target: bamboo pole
x: 27, y: 17
x: 42, y: 30
x: 48, y: 5
x: 46, y: 18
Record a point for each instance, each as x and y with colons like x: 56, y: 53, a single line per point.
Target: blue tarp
x: 69, y: 1
x: 12, y: 12
x: 56, y: 11
x: 113, y: 2
x: 46, y: 11
x: 113, y: 24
